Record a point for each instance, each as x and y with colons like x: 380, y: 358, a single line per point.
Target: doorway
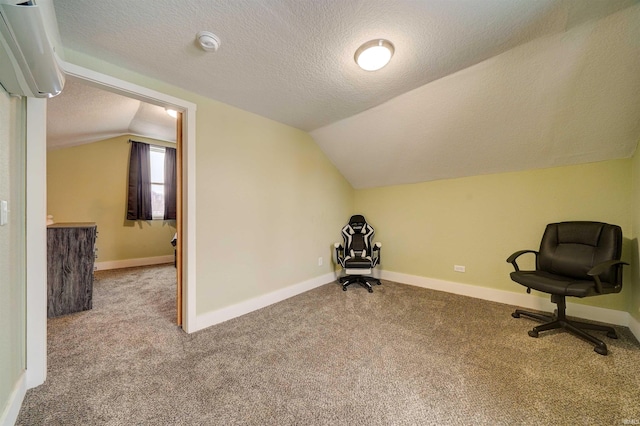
x: 90, y: 135
x: 36, y: 209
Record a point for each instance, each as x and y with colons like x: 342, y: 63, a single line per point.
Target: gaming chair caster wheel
x: 600, y: 350
x: 533, y: 333
x: 612, y: 335
x: 370, y: 290
x: 515, y: 315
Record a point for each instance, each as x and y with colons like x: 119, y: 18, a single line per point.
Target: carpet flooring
x: 399, y: 356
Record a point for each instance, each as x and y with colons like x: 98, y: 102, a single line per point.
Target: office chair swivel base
x: 354, y: 279
x: 559, y: 320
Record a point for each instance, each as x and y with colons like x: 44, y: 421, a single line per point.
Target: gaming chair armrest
x: 339, y: 253
x: 512, y: 259
x: 376, y: 253
x: 600, y: 268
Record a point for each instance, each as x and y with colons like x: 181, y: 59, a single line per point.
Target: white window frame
x: 156, y: 214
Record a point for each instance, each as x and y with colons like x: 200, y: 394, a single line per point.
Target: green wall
x: 634, y: 297
x: 88, y: 183
x: 479, y: 221
x: 261, y: 185
x: 12, y: 248
x: 268, y: 201
x: 269, y: 204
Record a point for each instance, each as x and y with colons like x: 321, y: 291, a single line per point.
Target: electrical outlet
x: 320, y: 261
x: 458, y: 268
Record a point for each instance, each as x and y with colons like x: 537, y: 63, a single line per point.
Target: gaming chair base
x: 358, y: 279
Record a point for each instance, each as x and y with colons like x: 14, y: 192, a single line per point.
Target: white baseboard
x: 529, y: 301
x: 634, y: 326
x: 610, y: 316
x: 242, y: 308
x: 130, y: 263
x: 12, y: 409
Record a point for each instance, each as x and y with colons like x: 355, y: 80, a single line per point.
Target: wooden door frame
x: 36, y: 203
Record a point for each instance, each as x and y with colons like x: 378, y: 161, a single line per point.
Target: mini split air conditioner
x: 28, y: 42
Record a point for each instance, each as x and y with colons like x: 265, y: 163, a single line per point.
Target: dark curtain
x: 139, y: 191
x: 170, y: 184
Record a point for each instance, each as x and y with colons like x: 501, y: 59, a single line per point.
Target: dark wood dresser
x: 70, y: 260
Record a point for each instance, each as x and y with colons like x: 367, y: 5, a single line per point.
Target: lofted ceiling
x: 474, y: 86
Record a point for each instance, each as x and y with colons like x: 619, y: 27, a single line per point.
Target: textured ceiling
x: 474, y: 86
x: 563, y: 99
x: 84, y: 114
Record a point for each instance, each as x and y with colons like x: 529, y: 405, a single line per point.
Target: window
x: 151, y: 192
x: 156, y: 154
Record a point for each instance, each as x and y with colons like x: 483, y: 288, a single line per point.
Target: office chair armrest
x: 601, y: 268
x: 512, y: 259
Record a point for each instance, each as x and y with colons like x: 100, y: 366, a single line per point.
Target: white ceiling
x: 83, y: 114
x: 474, y: 87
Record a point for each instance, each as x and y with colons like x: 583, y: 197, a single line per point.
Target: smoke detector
x: 208, y: 41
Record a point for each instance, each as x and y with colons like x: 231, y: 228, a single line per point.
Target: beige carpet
x: 399, y: 356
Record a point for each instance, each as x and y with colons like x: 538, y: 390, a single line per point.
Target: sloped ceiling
x: 563, y: 99
x: 474, y: 86
x: 83, y: 114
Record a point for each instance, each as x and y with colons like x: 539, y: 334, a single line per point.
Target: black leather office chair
x: 358, y: 256
x: 578, y: 259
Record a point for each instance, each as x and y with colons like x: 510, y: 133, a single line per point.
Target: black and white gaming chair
x: 358, y: 256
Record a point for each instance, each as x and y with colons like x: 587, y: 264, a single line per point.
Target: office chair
x: 577, y: 259
x: 358, y: 257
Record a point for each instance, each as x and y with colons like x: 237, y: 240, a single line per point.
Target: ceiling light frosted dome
x: 374, y: 54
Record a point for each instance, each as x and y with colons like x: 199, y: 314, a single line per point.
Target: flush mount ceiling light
x: 374, y: 54
x: 208, y: 41
x: 172, y: 112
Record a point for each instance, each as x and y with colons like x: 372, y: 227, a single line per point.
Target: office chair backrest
x: 357, y: 236
x: 573, y: 248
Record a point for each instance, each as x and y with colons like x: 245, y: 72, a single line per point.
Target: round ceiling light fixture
x: 374, y: 54
x: 208, y: 41
x: 171, y: 112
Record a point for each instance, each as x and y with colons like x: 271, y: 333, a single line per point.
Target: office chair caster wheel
x: 533, y: 333
x: 515, y: 315
x: 344, y: 289
x: 601, y: 350
x: 612, y: 335
x: 370, y: 290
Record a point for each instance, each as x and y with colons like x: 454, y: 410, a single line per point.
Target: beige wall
x: 268, y: 201
x: 634, y: 298
x: 479, y: 221
x: 12, y: 246
x: 88, y: 183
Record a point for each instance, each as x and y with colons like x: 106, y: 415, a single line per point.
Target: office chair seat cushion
x: 357, y: 263
x: 358, y: 271
x: 558, y: 284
